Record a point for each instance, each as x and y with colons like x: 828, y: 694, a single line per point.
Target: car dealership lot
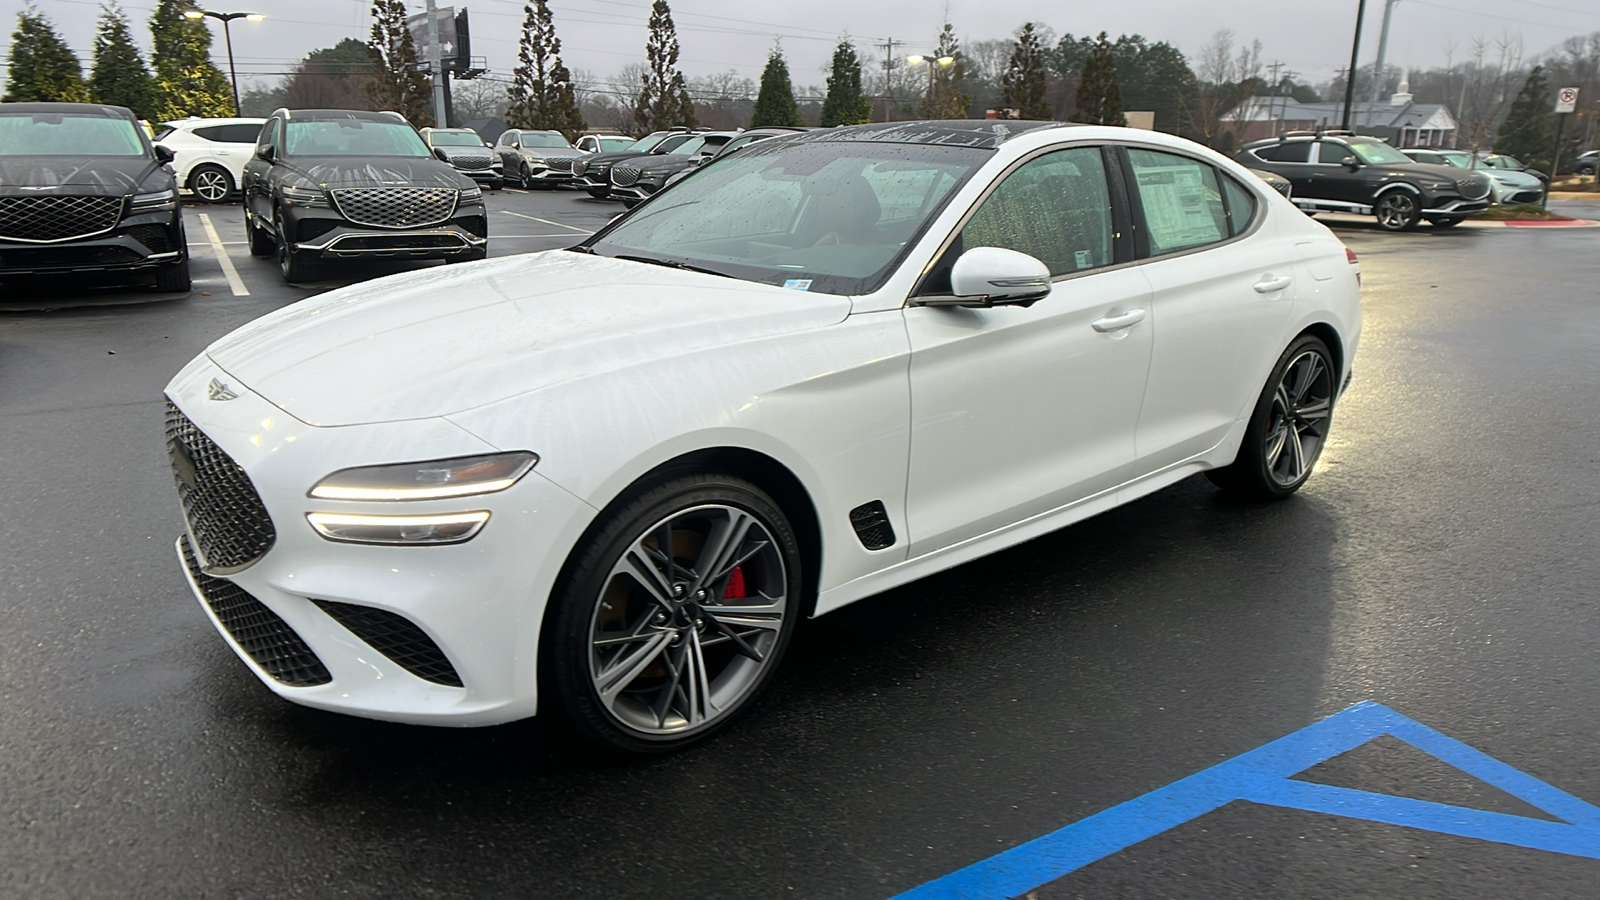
x: 1441, y: 563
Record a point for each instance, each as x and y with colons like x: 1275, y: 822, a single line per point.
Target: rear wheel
x: 211, y: 183
x: 674, y: 615
x: 1289, y: 426
x: 1397, y: 211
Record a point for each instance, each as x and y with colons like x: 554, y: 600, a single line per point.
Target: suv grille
x: 264, y: 637
x: 395, y: 207
x: 44, y: 220
x: 622, y: 176
x: 579, y: 166
x: 471, y: 162
x: 1473, y: 188
x: 226, y: 515
x: 558, y: 164
x: 396, y: 637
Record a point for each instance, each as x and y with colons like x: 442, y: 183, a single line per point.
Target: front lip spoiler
x: 468, y: 241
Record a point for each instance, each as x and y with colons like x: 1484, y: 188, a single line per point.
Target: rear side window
x: 209, y: 133
x: 1181, y: 200
x: 1296, y: 152
x: 1241, y: 205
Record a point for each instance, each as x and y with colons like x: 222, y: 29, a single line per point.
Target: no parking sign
x: 1567, y: 100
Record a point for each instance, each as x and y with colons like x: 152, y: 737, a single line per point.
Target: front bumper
x: 1456, y: 206
x: 137, y: 243
x: 322, y: 231
x: 480, y: 603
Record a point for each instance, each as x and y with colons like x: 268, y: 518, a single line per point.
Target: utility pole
x: 888, y: 76
x: 436, y: 64
x: 1272, y: 102
x: 1383, y: 48
x: 1350, y: 76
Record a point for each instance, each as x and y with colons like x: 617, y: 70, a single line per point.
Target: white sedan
x: 605, y: 482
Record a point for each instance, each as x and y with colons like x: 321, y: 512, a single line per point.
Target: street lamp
x: 227, y: 36
x: 940, y: 62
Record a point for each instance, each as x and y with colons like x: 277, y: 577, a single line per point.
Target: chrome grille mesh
x: 624, y: 175
x: 395, y: 207
x: 471, y: 162
x: 559, y: 165
x: 1473, y: 188
x: 259, y: 632
x: 44, y: 220
x: 226, y: 515
x: 580, y: 166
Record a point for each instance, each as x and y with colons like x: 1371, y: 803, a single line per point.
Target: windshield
x: 67, y: 134
x: 535, y: 139
x: 353, y: 137
x: 832, y: 217
x: 1379, y: 154
x: 454, y: 139
x: 1503, y: 162
x: 608, y: 144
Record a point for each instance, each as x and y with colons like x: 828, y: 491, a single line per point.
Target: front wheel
x: 1289, y: 426
x: 674, y: 615
x: 173, y: 278
x: 261, y: 243
x: 1397, y: 211
x: 295, y: 266
x: 599, y: 193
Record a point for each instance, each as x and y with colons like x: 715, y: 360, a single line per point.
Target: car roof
x: 1329, y: 135
x: 82, y: 109
x: 201, y: 121
x: 333, y: 115
x: 986, y: 134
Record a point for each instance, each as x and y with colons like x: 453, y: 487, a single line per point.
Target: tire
x: 629, y: 618
x: 631, y: 202
x: 1288, y: 427
x: 173, y: 278
x: 261, y: 243
x: 296, y: 267
x: 1397, y: 210
x: 497, y: 184
x: 599, y: 193
x: 211, y: 183
x: 1445, y: 221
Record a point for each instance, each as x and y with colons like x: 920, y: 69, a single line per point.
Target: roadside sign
x: 1567, y: 100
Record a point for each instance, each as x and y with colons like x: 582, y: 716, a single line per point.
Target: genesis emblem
x: 216, y: 390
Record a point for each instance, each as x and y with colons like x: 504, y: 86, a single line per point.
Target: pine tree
x: 397, y: 84
x: 1024, y: 78
x: 541, y: 87
x: 1099, y: 99
x: 663, y: 96
x: 120, y: 77
x: 775, y: 102
x: 1529, y: 130
x: 43, y: 68
x: 845, y: 103
x: 186, y: 82
x: 944, y: 99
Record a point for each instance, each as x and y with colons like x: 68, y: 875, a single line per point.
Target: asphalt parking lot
x: 1441, y: 564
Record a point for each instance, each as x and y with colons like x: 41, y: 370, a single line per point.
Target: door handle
x: 1270, y: 283
x: 1119, y: 321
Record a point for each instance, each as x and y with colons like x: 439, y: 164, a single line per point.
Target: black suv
x: 82, y: 189
x: 1341, y: 172
x: 593, y: 171
x: 343, y: 184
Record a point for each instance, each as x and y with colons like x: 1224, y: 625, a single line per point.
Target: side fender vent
x: 871, y: 522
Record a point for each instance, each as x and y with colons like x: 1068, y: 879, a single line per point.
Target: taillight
x: 1351, y: 258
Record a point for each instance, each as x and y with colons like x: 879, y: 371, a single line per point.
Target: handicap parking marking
x: 1263, y: 775
x: 235, y: 283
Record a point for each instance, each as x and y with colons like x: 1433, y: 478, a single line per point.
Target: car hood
x: 34, y: 176
x: 451, y: 338
x: 353, y: 171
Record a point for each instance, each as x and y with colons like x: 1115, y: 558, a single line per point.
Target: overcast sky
x: 601, y: 36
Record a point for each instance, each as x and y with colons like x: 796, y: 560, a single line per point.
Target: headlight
x: 159, y: 201
x: 469, y: 194
x: 304, y: 196
x: 431, y: 480
x: 652, y: 173
x: 536, y: 161
x: 446, y: 529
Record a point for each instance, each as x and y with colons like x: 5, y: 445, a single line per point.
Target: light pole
x: 227, y: 36
x: 917, y: 59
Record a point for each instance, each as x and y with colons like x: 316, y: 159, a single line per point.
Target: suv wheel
x: 1445, y: 221
x: 174, y: 277
x: 296, y: 267
x: 1397, y: 210
x: 261, y: 243
x: 211, y: 183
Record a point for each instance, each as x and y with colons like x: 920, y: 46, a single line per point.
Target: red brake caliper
x: 735, y: 589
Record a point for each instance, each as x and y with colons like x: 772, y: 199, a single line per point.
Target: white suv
x: 210, y: 153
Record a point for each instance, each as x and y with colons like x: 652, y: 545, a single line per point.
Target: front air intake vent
x: 258, y: 631
x: 871, y: 522
x: 396, y: 637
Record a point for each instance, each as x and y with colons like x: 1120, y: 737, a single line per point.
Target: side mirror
x: 995, y: 276
x: 1351, y: 163
x: 439, y: 154
x: 266, y: 152
x: 165, y: 154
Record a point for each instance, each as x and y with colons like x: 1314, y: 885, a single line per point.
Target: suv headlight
x: 157, y: 201
x: 304, y: 196
x: 471, y: 194
x: 537, y: 161
x: 430, y: 480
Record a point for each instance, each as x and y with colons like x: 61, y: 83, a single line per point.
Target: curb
x: 1533, y: 223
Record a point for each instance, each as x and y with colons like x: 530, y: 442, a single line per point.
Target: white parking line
x: 547, y: 222
x: 235, y: 283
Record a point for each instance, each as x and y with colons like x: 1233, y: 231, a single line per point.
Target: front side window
x: 1056, y: 208
x: 1332, y: 153
x: 352, y: 137
x: 64, y: 133
x: 271, y: 135
x: 1181, y: 201
x: 509, y: 139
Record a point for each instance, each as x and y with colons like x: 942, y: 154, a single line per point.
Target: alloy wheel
x: 211, y: 184
x: 1302, y: 408
x: 1397, y: 211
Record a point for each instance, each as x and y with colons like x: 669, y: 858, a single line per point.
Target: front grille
x: 1473, y: 188
x: 395, y: 207
x: 155, y: 238
x: 45, y: 220
x: 622, y: 176
x: 396, y: 637
x: 37, y: 258
x: 398, y: 243
x: 259, y: 632
x: 471, y: 162
x: 226, y: 515
x: 559, y: 165
x: 579, y: 166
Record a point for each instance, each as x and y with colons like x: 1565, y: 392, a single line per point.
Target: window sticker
x: 798, y: 284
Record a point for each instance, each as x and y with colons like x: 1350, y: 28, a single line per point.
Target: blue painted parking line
x: 1263, y: 776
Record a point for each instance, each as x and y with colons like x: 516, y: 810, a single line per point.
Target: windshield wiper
x: 671, y: 264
